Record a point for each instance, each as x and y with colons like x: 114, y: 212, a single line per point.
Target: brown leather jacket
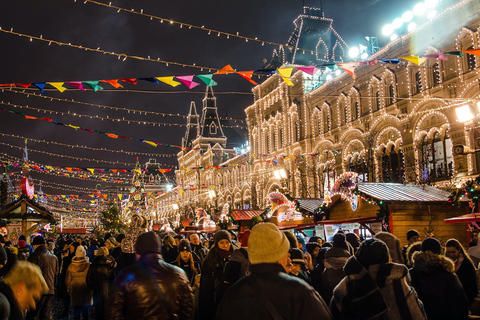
x: 135, y: 296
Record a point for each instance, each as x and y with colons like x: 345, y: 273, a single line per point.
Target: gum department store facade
x: 391, y: 123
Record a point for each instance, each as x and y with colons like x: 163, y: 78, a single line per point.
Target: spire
x: 210, y: 127
x: 192, y: 126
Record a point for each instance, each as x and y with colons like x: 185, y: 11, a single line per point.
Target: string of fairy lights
x: 128, y: 121
x: 133, y: 111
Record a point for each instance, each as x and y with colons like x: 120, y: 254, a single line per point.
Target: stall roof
x: 402, y: 192
x: 238, y: 215
x: 309, y: 204
x: 186, y: 222
x: 471, y: 217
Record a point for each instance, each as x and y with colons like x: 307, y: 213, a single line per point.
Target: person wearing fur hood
x: 433, y: 277
x: 375, y: 288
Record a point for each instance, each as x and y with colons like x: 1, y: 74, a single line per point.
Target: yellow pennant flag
x: 285, y: 73
x: 91, y: 170
x: 119, y: 196
x: 169, y: 81
x: 74, y: 127
x: 63, y: 196
x: 137, y: 171
x: 150, y: 143
x: 58, y: 85
x: 414, y: 59
x: 181, y: 192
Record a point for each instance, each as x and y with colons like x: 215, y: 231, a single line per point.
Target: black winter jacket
x: 136, y: 296
x: 100, y: 275
x: 291, y: 297
x: 48, y: 263
x: 438, y: 287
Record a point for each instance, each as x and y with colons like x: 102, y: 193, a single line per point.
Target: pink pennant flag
x: 76, y: 84
x: 439, y: 56
x: 311, y: 70
x: 188, y: 81
x: 348, y: 67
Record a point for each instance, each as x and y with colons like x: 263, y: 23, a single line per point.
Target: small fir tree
x: 111, y: 219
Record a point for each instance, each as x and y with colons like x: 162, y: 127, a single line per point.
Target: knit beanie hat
x: 22, y: 237
x: 243, y: 237
x: 412, y: 233
x: 431, y: 244
x: 38, y: 240
x: 148, y: 242
x: 372, y: 251
x: 22, y: 243
x: 296, y: 255
x: 184, y: 246
x: 80, y: 252
x: 221, y: 235
x: 102, y: 251
x: 111, y: 242
x: 267, y: 244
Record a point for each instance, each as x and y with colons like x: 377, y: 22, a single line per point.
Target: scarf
x: 223, y: 254
x: 459, y: 262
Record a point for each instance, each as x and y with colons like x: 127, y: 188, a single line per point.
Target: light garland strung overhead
x: 79, y: 115
x: 90, y: 148
x: 134, y: 111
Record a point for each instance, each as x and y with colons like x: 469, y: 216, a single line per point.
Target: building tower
x: 210, y: 131
x: 192, y: 127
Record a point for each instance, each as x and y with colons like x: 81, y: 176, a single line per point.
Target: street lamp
x: 464, y: 113
x: 175, y: 206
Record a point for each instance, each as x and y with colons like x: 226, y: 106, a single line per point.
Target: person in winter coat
x: 138, y: 225
x: 438, y: 287
x: 23, y: 251
x: 412, y: 248
x: 354, y: 240
x: 169, y: 249
x: 99, y: 279
x: 299, y: 265
x: 267, y: 292
x: 212, y: 276
x: 150, y: 289
x: 335, y: 259
x: 91, y: 249
x: 76, y: 282
x: 464, y: 268
x: 393, y: 245
x: 48, y: 263
x: 199, y: 251
x: 374, y: 288
x: 185, y: 261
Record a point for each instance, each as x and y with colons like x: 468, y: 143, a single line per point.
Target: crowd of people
x: 262, y: 273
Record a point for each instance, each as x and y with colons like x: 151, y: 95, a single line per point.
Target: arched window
x: 213, y: 128
x: 345, y: 115
x: 355, y: 111
x: 326, y: 121
x: 280, y: 138
x: 357, y: 164
x: 436, y: 74
x: 471, y: 63
x: 377, y: 103
x: 327, y: 177
x: 391, y: 94
x: 418, y: 82
x: 437, y: 158
x: 392, y: 165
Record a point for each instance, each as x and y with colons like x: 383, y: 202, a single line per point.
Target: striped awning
x: 238, y: 215
x: 402, y: 192
x: 309, y: 204
x: 466, y: 218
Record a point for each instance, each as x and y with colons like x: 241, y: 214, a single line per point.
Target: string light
x: 79, y: 115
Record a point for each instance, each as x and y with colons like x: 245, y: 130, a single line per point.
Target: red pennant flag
x: 23, y: 85
x: 7, y: 85
x: 132, y: 80
x: 247, y: 75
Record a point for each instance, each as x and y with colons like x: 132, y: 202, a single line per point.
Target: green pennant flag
x: 93, y: 84
x: 454, y: 53
x: 207, y: 79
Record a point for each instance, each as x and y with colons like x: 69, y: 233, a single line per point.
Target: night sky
x: 91, y: 25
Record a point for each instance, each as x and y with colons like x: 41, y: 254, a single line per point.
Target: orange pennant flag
x: 114, y: 170
x: 247, y: 75
x: 30, y: 117
x: 69, y: 169
x: 114, y: 83
x: 225, y: 70
x: 475, y: 52
x: 111, y: 135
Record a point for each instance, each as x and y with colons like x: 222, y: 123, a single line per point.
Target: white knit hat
x: 80, y: 253
x: 267, y: 244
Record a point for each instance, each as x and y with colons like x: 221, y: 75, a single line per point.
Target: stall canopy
x: 466, y: 218
x: 309, y: 204
x: 403, y: 192
x: 27, y: 210
x: 186, y: 222
x: 239, y: 215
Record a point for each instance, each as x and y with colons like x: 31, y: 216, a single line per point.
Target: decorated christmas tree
x: 111, y: 218
x: 136, y: 198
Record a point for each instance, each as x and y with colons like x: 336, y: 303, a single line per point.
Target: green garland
x: 470, y: 189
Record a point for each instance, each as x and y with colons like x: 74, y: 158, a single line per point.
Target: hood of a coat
x: 431, y: 262
x: 380, y: 273
x: 103, y: 260
x: 79, y: 264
